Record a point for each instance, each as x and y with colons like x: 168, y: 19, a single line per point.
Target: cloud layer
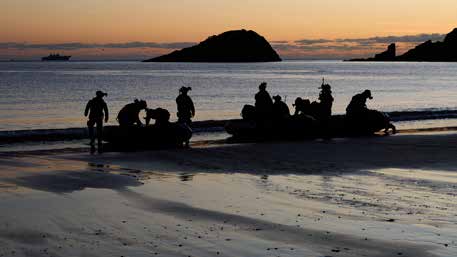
x: 78, y: 46
x: 400, y: 39
x: 299, y: 49
x: 349, y: 47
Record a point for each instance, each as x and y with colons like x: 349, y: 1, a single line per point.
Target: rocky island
x: 231, y: 46
x: 445, y: 51
x: 389, y: 55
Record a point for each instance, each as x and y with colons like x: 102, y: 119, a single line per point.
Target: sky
x: 135, y: 29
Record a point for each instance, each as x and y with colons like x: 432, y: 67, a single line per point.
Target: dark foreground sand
x: 380, y: 196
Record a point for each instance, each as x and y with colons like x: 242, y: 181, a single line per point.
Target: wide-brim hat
x: 185, y: 89
x: 100, y: 93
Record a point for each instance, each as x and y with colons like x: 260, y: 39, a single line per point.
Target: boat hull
x: 308, y: 127
x: 147, y: 137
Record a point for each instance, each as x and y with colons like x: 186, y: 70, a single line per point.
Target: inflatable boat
x: 305, y: 126
x: 171, y: 135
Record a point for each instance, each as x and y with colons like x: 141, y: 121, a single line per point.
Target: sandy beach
x: 376, y: 196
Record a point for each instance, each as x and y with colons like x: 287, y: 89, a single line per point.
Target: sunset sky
x: 123, y: 29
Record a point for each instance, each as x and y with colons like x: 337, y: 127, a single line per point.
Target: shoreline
x: 81, y: 146
x: 16, y: 136
x: 205, y: 126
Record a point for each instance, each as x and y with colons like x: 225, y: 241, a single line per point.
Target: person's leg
x: 99, y: 132
x: 188, y: 123
x: 180, y: 119
x: 90, y: 126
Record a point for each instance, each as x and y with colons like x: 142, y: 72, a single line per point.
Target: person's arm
x: 86, y: 111
x: 192, y: 107
x: 138, y: 120
x: 105, y: 109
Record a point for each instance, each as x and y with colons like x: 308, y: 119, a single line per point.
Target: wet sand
x: 377, y: 196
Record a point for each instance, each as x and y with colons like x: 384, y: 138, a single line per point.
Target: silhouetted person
x: 325, y: 101
x: 263, y: 102
x: 280, y: 109
x: 97, y: 109
x: 365, y: 120
x: 324, y: 108
x: 302, y: 106
x: 358, y: 105
x: 129, y: 114
x: 248, y: 112
x: 186, y: 108
x: 160, y: 115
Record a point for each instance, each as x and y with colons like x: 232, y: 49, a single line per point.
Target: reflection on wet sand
x: 289, y: 199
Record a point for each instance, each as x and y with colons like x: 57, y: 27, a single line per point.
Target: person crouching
x: 129, y: 115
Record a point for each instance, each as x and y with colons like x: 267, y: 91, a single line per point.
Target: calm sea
x: 36, y: 95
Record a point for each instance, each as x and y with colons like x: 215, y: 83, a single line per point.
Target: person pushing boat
x: 358, y: 105
x: 129, y: 115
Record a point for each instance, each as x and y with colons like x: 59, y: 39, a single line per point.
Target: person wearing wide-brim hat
x: 97, y: 110
x: 358, y: 104
x: 186, y: 108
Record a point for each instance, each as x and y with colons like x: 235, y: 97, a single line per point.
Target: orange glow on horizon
x: 100, y: 21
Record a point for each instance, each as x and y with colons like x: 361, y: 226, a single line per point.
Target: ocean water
x: 43, y: 95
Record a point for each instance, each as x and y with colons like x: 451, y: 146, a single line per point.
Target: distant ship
x: 56, y: 57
